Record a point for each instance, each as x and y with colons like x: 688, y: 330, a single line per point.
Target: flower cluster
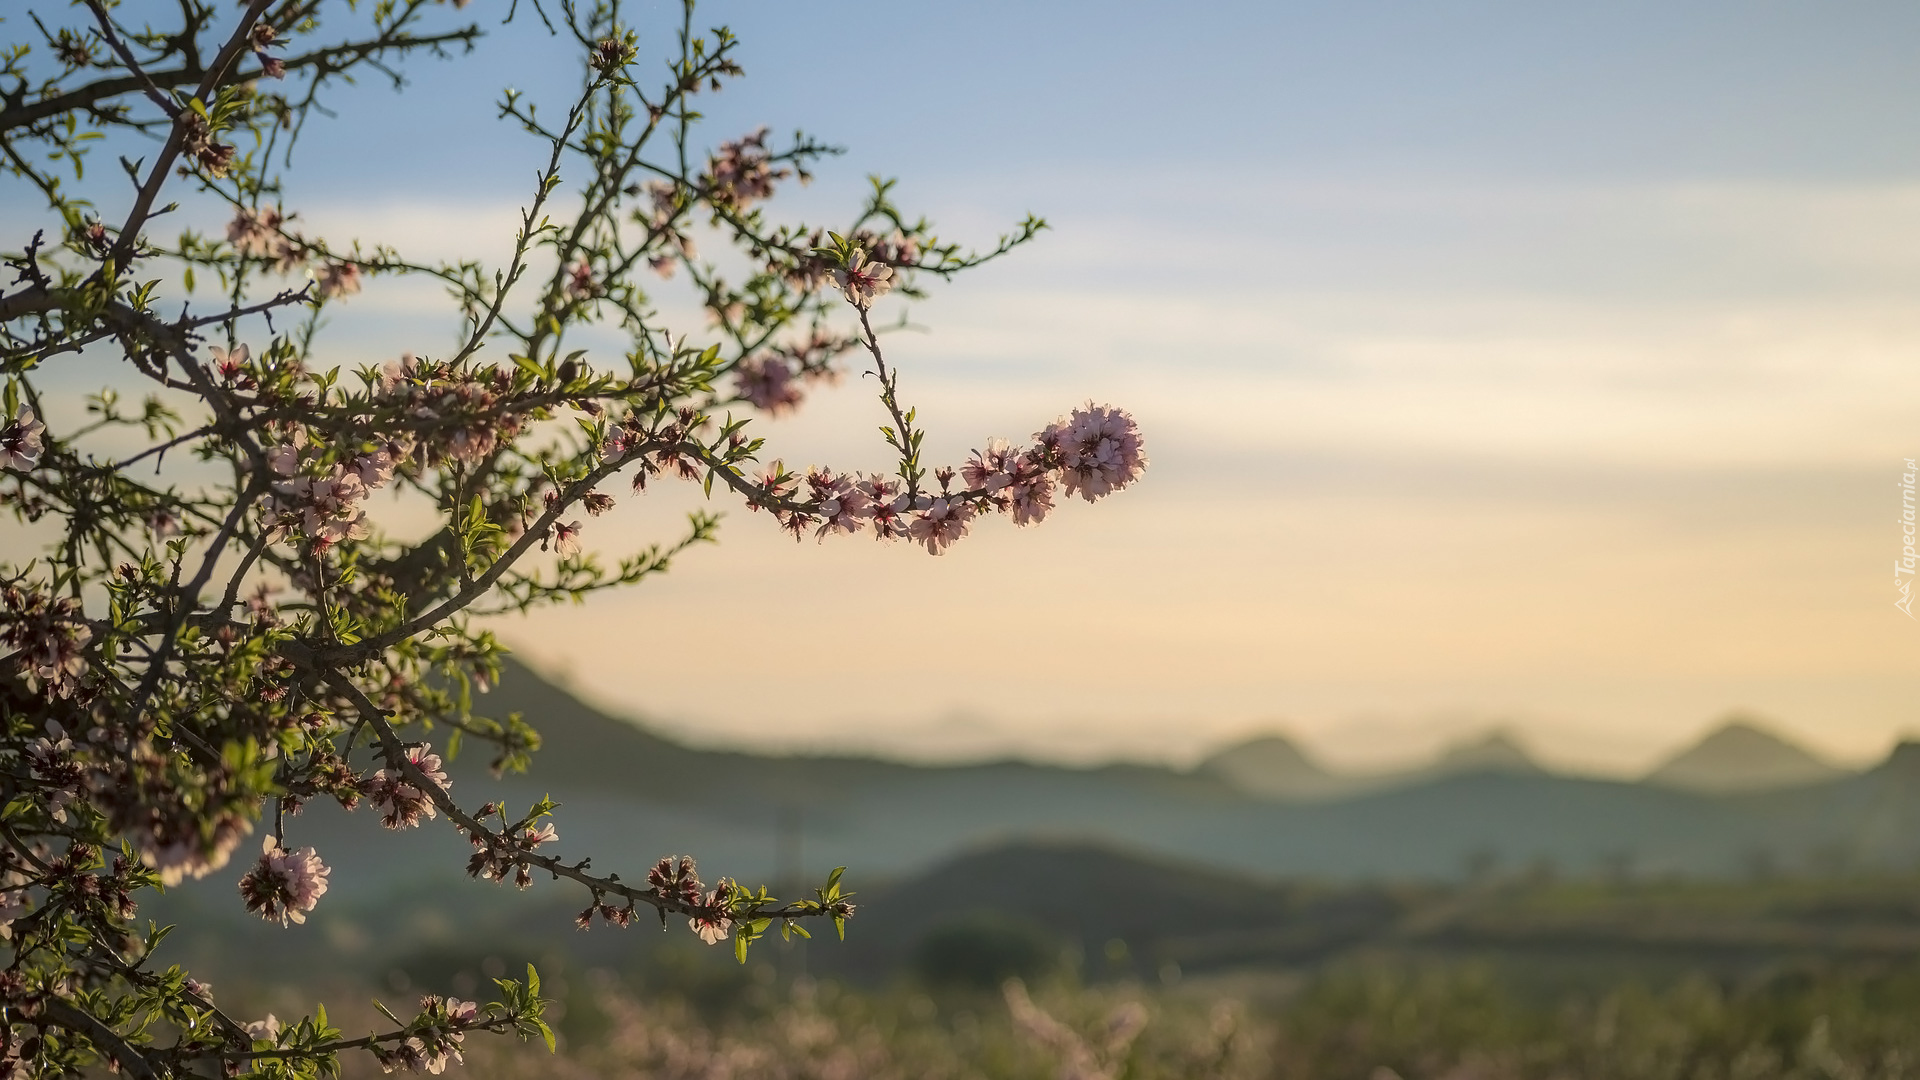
x: 675, y: 880
x: 461, y: 410
x: 767, y: 383
x: 324, y: 505
x: 1092, y: 452
x: 742, y: 173
x: 1015, y: 481
x: 401, y: 804
x: 773, y: 380
x: 48, y: 636
x: 284, y: 885
x: 434, y: 1039
x: 260, y: 232
x: 498, y: 855
x: 1097, y: 450
x: 803, y: 266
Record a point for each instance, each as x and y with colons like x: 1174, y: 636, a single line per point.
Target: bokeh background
x: 1546, y: 366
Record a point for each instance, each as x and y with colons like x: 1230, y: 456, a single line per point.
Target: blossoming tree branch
x: 206, y: 632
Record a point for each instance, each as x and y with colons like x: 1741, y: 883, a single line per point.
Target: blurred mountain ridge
x: 1742, y: 754
x: 1273, y: 766
x: 629, y: 796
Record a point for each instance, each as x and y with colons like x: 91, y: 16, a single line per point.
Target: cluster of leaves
x: 190, y: 650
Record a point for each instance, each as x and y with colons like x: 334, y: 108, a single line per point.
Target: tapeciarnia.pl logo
x: 1904, y: 565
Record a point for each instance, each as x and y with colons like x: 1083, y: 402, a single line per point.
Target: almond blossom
x: 230, y: 363
x: 713, y: 923
x: 767, y: 383
x: 48, y: 637
x: 942, y: 521
x: 337, y: 279
x: 284, y: 885
x: 742, y: 173
x: 842, y: 506
x: 256, y: 231
x: 863, y: 280
x: 401, y: 804
x: 20, y: 441
x: 1098, y: 450
x: 887, y: 504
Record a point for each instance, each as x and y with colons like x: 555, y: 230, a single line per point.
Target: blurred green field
x: 1517, y: 976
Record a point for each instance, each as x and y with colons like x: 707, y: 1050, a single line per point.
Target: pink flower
x: 863, y: 281
x: 20, y: 441
x: 616, y: 444
x: 256, y: 231
x: 229, y: 364
x: 767, y: 382
x: 1031, y: 492
x: 713, y: 923
x: 373, y: 469
x: 940, y: 523
x: 992, y: 470
x: 580, y: 283
x: 284, y: 885
x: 532, y: 837
x: 566, y: 539
x: 887, y: 506
x: 839, y: 502
x: 337, y: 279
x: 742, y: 173
x: 1097, y: 450
x: 325, y: 508
x: 284, y: 459
x: 49, y: 639
x: 776, y: 481
x: 401, y: 803
x: 676, y: 880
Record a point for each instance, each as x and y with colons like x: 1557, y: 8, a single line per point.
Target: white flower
x: 267, y: 1030
x: 863, y: 281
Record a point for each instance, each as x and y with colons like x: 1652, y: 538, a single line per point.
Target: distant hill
x: 1496, y: 751
x: 1274, y: 767
x: 1087, y: 897
x: 1742, y: 756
